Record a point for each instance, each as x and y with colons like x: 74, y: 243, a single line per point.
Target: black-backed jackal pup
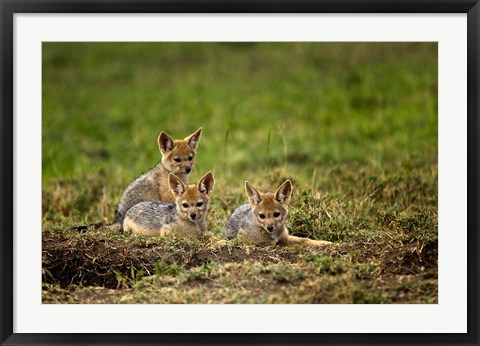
x: 186, y: 217
x: 262, y: 222
x: 178, y: 157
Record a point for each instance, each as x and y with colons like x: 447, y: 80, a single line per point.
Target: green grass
x: 353, y: 125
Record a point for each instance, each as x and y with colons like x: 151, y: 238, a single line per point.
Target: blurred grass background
x: 301, y: 109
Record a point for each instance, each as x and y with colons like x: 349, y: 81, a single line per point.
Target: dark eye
x: 276, y: 214
x: 190, y: 158
x: 199, y: 203
x: 262, y: 216
x: 177, y: 159
x: 185, y: 205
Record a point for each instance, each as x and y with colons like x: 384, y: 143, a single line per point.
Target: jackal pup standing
x: 178, y: 157
x: 186, y: 217
x: 262, y: 222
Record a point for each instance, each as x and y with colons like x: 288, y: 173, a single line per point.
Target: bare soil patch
x: 91, y: 261
x: 100, y: 267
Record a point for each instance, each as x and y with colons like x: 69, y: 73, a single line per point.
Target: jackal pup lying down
x: 186, y: 217
x: 178, y: 157
x: 262, y: 222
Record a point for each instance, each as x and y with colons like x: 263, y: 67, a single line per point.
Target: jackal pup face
x: 270, y: 209
x: 192, y: 200
x: 178, y: 156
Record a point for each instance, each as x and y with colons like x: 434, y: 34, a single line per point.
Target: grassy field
x: 353, y: 125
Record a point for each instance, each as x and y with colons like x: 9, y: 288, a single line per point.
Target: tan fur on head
x: 178, y: 156
x: 270, y: 210
x: 192, y: 200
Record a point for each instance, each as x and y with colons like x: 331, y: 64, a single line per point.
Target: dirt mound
x: 408, y: 258
x: 98, y: 262
x: 411, y: 258
x: 95, y: 258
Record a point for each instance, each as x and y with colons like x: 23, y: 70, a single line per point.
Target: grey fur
x: 134, y: 193
x: 241, y: 218
x: 153, y: 214
x: 139, y: 190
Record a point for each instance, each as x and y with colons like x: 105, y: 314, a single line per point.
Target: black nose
x: 188, y: 170
x: 270, y: 228
x: 193, y: 216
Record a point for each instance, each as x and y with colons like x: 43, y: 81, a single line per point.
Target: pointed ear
x: 165, y: 142
x: 193, y: 139
x: 205, y: 185
x: 252, y: 193
x: 284, y: 192
x: 177, y: 186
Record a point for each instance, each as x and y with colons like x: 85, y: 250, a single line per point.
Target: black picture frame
x: 9, y: 8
